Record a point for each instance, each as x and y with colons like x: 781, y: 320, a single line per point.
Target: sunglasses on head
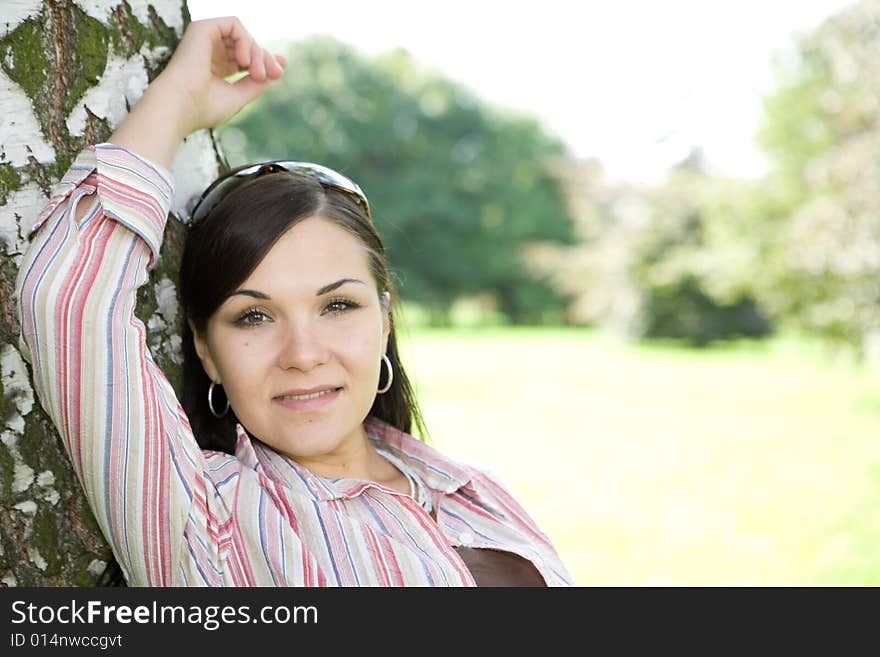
x: 220, y: 188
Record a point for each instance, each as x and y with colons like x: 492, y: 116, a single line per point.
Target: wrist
x: 170, y: 103
x: 155, y: 126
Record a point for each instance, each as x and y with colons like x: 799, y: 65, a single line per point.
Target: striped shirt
x: 176, y: 515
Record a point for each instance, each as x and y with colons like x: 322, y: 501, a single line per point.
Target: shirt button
x: 465, y: 538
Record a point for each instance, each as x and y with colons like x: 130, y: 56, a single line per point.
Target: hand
x: 192, y: 93
x: 210, y: 51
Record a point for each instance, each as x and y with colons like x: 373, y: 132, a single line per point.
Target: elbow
x: 33, y: 298
x: 40, y: 288
x: 25, y: 303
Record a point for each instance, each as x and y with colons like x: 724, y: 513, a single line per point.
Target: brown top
x: 497, y: 568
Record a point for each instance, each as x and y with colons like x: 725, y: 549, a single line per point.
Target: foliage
x: 822, y: 131
x: 457, y: 189
x: 672, y: 260
x: 691, y: 261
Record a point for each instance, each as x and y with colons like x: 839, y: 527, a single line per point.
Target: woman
x: 289, y: 461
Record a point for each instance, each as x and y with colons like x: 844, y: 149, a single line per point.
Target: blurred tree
x: 693, y: 261
x: 458, y: 190
x: 672, y: 260
x: 822, y: 131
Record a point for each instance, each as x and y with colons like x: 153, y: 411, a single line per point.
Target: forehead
x: 314, y: 251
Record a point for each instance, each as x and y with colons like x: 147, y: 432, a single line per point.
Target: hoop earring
x: 390, y: 375
x: 211, y: 403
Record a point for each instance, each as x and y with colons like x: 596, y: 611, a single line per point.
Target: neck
x: 356, y: 459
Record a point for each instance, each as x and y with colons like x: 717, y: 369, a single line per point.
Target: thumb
x: 247, y: 89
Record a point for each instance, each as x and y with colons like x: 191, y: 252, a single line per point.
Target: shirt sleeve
x: 127, y: 436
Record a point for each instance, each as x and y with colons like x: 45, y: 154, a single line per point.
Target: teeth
x: 312, y: 395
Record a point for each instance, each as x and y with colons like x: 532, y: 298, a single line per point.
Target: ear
x: 204, y: 353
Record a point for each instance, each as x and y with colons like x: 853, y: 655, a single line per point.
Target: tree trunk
x: 67, y: 78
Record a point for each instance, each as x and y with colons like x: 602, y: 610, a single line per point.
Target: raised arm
x: 93, y: 246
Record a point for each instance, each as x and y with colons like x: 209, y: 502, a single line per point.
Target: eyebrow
x: 256, y: 294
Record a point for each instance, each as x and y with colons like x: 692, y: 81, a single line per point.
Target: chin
x: 307, y: 439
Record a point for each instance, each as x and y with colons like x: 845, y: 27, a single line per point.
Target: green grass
x: 752, y: 464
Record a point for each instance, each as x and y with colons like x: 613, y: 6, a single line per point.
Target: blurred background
x: 638, y: 251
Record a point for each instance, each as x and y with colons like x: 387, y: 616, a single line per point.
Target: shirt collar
x: 440, y: 474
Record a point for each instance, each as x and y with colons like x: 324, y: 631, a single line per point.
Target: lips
x: 307, y: 399
x: 302, y: 394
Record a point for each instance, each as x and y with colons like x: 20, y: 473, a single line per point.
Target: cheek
x: 364, y: 342
x: 359, y: 351
x: 237, y: 359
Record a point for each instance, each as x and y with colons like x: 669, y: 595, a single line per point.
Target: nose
x: 301, y: 346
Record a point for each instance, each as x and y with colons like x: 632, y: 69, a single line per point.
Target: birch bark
x: 69, y: 72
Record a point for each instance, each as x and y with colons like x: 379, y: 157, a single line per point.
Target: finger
x: 258, y: 66
x: 223, y: 62
x: 231, y: 54
x: 234, y: 34
x: 273, y: 66
x: 247, y: 88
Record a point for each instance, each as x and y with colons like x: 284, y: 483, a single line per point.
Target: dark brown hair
x: 223, y: 249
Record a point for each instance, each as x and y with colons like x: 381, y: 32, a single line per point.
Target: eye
x: 339, y: 306
x: 252, y: 317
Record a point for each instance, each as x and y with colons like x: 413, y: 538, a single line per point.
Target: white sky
x: 632, y: 82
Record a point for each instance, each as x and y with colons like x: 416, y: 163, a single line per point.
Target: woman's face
x: 298, y: 345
